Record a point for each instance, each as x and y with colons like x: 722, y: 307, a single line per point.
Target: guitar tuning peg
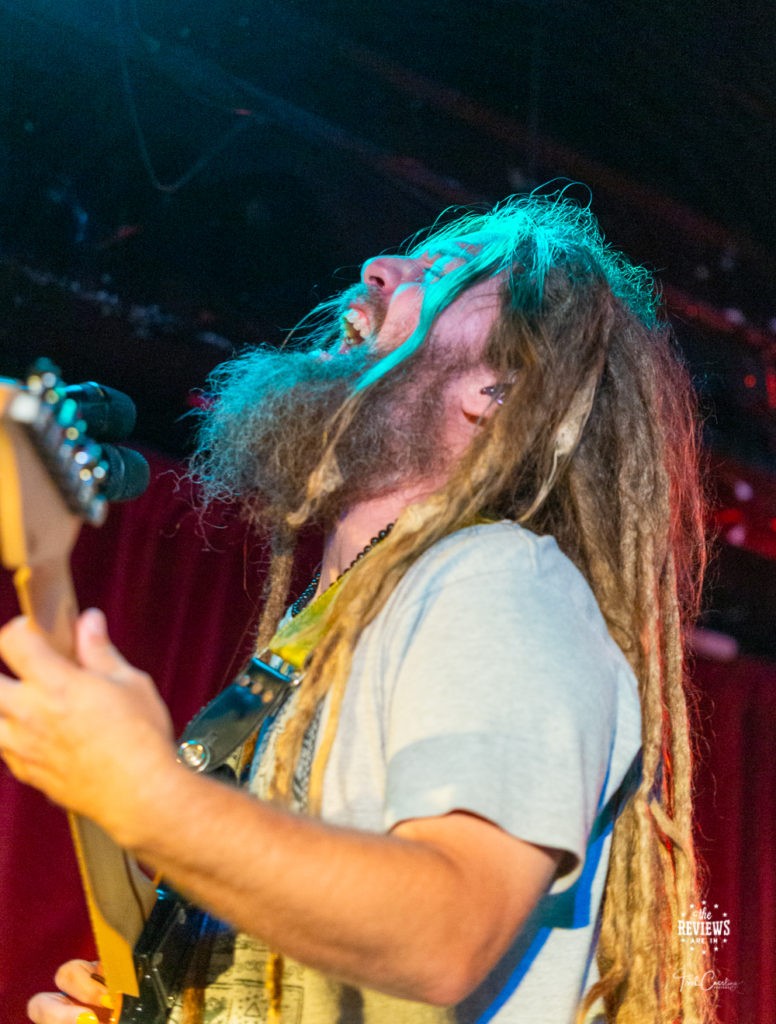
x: 43, y: 380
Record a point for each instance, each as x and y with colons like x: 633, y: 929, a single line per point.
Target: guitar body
x: 162, y: 956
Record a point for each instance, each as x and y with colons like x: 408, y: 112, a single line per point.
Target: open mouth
x: 355, y: 327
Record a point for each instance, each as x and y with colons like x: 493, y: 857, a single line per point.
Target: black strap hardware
x: 224, y: 724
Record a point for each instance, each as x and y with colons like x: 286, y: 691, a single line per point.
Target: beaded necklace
x: 307, y: 594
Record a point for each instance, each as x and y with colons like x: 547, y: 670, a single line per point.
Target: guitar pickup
x: 162, y: 957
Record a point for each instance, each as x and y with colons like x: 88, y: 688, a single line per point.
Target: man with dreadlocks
x: 477, y: 805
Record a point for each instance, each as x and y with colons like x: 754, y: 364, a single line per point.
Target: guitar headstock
x: 52, y: 423
x: 52, y: 478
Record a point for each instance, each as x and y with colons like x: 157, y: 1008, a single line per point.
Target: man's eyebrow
x: 461, y: 248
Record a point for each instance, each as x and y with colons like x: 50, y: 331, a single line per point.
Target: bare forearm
x: 368, y: 909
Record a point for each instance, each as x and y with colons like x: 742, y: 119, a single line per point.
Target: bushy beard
x: 271, y: 416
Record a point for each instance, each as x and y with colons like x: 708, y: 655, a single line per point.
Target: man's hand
x: 92, y: 736
x: 81, y: 999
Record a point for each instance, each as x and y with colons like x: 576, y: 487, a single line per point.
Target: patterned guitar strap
x: 287, y: 653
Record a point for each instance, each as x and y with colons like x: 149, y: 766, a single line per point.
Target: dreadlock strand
x: 594, y: 558
x: 290, y: 739
x: 614, y: 945
x: 337, y: 692
x: 278, y: 582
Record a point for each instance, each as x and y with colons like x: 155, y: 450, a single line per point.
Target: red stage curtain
x: 736, y: 805
x: 181, y: 599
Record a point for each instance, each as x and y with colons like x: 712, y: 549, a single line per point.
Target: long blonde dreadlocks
x: 596, y: 444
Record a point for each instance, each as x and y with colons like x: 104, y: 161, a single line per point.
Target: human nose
x: 386, y: 273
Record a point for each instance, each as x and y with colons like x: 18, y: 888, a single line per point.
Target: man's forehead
x: 465, y: 244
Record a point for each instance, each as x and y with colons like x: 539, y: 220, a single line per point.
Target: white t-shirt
x: 488, y: 683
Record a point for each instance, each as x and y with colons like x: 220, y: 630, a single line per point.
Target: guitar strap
x: 219, y: 742
x: 177, y: 932
x: 255, y: 697
x: 217, y: 733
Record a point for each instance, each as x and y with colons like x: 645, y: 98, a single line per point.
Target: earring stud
x: 496, y: 391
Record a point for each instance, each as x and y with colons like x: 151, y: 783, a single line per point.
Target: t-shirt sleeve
x: 504, y: 693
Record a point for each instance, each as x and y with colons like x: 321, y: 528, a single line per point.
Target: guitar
x: 54, y: 477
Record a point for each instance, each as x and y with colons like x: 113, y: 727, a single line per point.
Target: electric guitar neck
x: 52, y: 479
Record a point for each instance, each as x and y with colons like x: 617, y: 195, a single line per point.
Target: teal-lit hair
x: 553, y: 260
x: 522, y: 238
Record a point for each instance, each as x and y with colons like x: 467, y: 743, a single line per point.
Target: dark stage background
x: 180, y: 180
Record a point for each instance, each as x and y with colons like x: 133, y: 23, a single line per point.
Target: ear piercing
x: 497, y: 392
